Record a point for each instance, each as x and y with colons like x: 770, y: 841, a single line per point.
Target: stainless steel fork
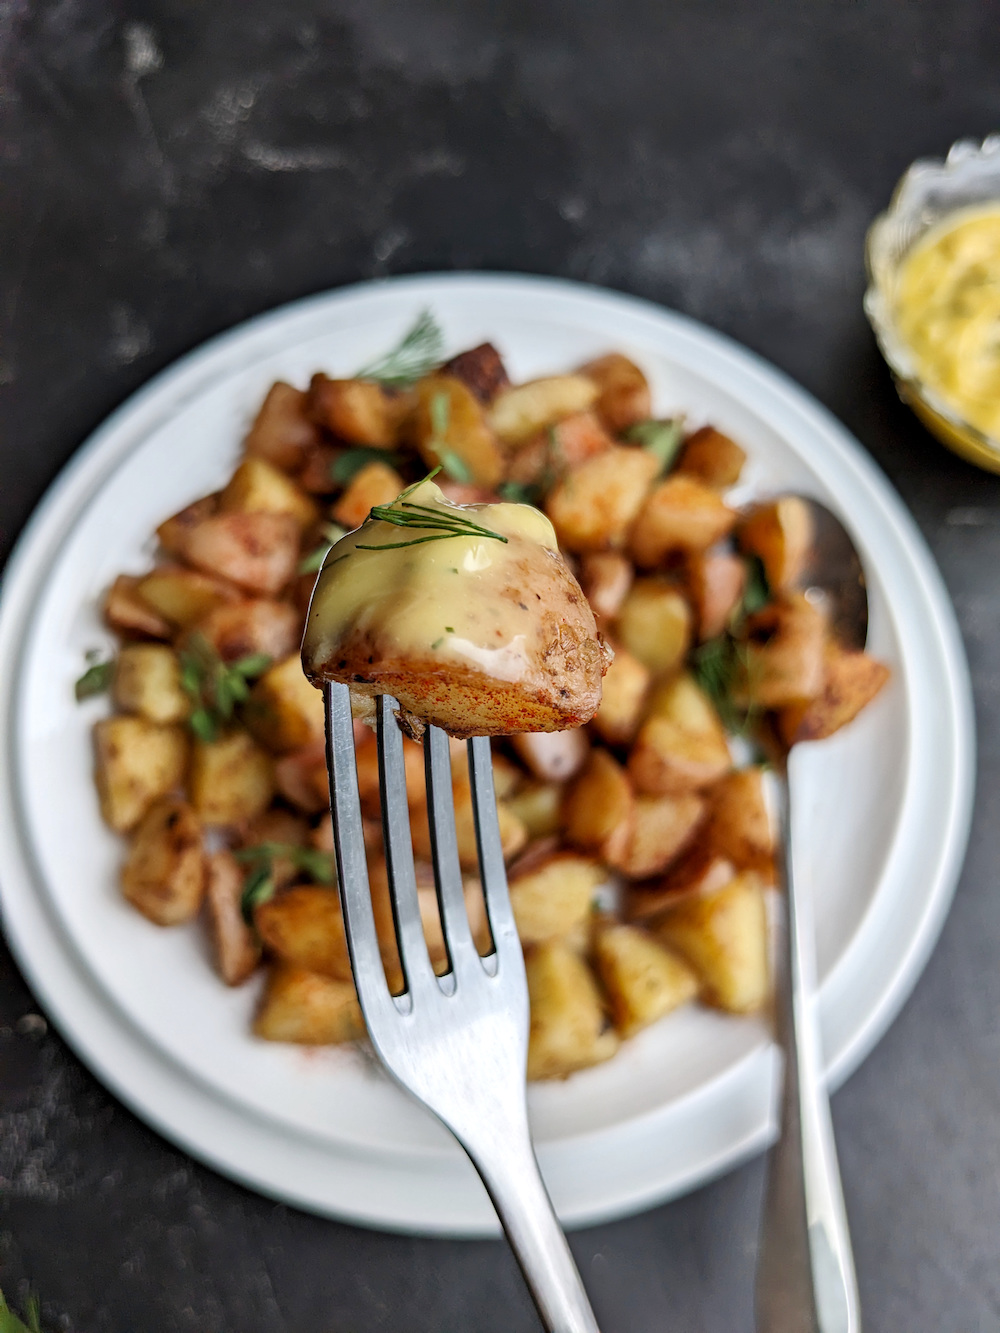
x: 457, y: 1043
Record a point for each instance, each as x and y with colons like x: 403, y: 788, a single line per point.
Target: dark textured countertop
x: 168, y: 169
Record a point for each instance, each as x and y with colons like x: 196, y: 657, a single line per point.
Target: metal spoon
x: 805, y: 1270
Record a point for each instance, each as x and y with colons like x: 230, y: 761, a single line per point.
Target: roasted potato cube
x: 723, y: 935
x: 679, y: 515
x: 251, y: 627
x: 366, y: 758
x: 173, y: 532
x: 374, y: 484
x: 851, y: 680
x: 643, y: 979
x: 520, y: 412
x: 663, y: 826
x: 681, y: 746
x: 231, y: 779
x: 306, y: 1008
x: 258, y: 487
x: 654, y: 625
x: 301, y: 779
x: 182, y: 596
x: 606, y: 577
x: 538, y: 806
x: 304, y: 926
x: 738, y: 826
x: 593, y: 506
x: 697, y: 872
x: 164, y: 875
x: 234, y: 945
x: 623, y: 396
x: 279, y: 825
x: 281, y: 434
x: 316, y: 475
x: 284, y: 711
x: 712, y: 458
x: 569, y: 1028
x: 513, y: 834
x: 481, y: 369
x: 129, y: 613
x: 625, y: 687
x: 507, y: 776
x: 780, y: 533
x: 553, y: 897
x: 553, y: 756
x: 147, y: 681
x: 257, y: 551
x: 564, y: 445
x: 716, y: 582
x: 449, y: 427
x: 137, y: 762
x: 784, y: 658
x: 359, y: 411
x: 599, y: 809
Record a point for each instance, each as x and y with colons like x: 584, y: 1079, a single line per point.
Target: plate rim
x: 184, y: 378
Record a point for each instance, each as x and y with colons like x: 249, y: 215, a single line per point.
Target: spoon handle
x: 805, y: 1273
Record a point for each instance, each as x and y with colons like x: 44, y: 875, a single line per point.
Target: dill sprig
x: 347, y: 465
x: 313, y: 562
x: 722, y: 666
x: 452, y: 464
x: 260, y: 884
x: 440, y: 524
x: 418, y: 352
x: 9, y: 1322
x: 95, y: 680
x: 660, y: 438
x: 214, y: 688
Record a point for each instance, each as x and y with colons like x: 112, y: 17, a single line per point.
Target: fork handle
x: 509, y: 1170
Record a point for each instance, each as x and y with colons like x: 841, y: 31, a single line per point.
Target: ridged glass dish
x: 929, y: 192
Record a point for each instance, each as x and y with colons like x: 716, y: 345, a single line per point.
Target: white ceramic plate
x: 882, y: 810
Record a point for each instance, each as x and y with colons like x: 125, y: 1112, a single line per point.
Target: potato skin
x: 308, y: 1009
x: 236, y: 951
x: 164, y: 875
x: 137, y: 762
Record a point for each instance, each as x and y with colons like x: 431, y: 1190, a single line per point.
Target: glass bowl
x: 928, y: 192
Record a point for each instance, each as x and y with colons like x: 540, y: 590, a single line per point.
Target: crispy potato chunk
x: 520, y: 412
x: 569, y: 1029
x: 304, y: 926
x: 306, y: 1008
x: 449, y: 427
x: 712, y: 458
x: 513, y: 834
x: 593, y: 506
x: 643, y: 979
x: 137, y: 762
x: 281, y: 433
x: 234, y: 946
x: 780, y: 533
x: 255, y: 625
x: 716, y: 582
x: 366, y: 758
x: 564, y: 445
x: 739, y: 827
x: 850, y: 681
x: 129, y: 613
x: 164, y: 875
x: 553, y: 756
x: 301, y: 779
x: 231, y: 780
x: 682, y: 745
x: 481, y: 369
x: 662, y: 827
x: 284, y: 711
x: 697, y: 872
x: 258, y: 487
x: 538, y: 806
x: 785, y: 655
x: 599, y: 809
x: 174, y: 531
x: 182, y: 596
x: 606, y: 577
x: 723, y: 936
x: 622, y: 700
x: 552, y: 897
x: 359, y: 411
x: 375, y: 484
x: 257, y: 551
x: 147, y: 681
x: 654, y: 624
x: 680, y: 515
x: 623, y: 396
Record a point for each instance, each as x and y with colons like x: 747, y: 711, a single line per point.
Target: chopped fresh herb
x: 310, y: 564
x: 9, y: 1322
x: 660, y: 438
x: 214, y: 688
x: 439, y: 523
x: 519, y: 492
x: 719, y: 665
x: 455, y: 467
x: 95, y: 680
x: 449, y: 629
x: 757, y: 593
x: 260, y: 884
x: 437, y: 643
x: 418, y: 352
x: 347, y: 465
x: 452, y: 463
x: 258, y: 887
x: 440, y: 411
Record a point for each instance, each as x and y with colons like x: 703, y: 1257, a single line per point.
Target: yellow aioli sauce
x: 948, y: 313
x: 449, y: 599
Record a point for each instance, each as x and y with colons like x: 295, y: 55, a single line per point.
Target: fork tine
x: 444, y: 849
x: 398, y: 848
x: 349, y: 845
x: 491, y: 864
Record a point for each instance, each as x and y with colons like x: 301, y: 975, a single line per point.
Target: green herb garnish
x: 452, y: 463
x: 332, y: 533
x: 260, y: 884
x: 9, y: 1322
x: 660, y: 438
x: 418, y: 352
x: 439, y: 523
x: 95, y: 680
x: 757, y: 593
x: 346, y: 466
x: 214, y: 688
x: 519, y: 492
x: 258, y: 887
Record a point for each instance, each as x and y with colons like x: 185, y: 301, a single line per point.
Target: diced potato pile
x: 217, y: 730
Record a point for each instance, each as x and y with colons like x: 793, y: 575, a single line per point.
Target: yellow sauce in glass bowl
x: 947, y: 311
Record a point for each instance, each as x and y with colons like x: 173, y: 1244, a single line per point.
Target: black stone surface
x: 168, y: 169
